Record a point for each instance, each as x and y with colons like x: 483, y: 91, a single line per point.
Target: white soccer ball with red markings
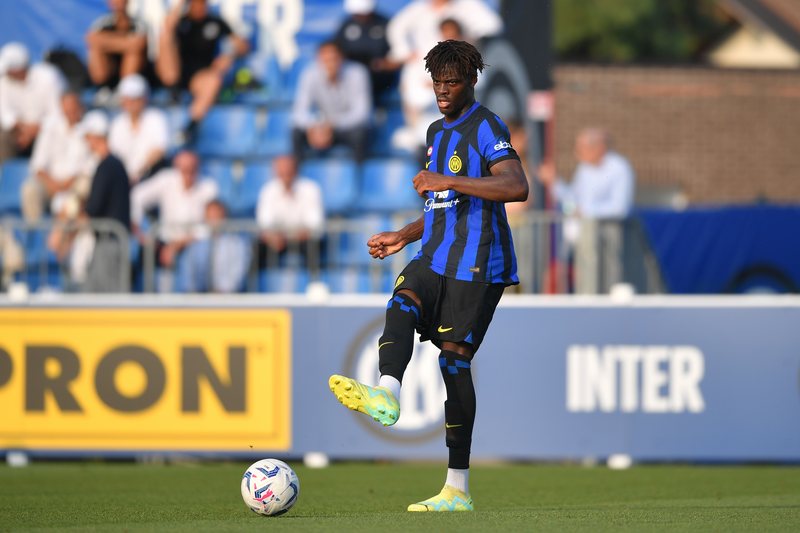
x: 270, y: 487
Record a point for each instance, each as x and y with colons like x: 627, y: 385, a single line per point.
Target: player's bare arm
x: 506, y: 184
x: 387, y: 243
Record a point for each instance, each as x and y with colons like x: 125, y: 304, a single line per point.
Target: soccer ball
x: 270, y: 487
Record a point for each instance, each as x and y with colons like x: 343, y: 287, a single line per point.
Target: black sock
x: 459, y: 409
x: 397, y: 343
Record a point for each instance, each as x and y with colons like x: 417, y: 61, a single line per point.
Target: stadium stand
x: 13, y: 173
x: 227, y: 131
x: 338, y: 179
x: 387, y: 186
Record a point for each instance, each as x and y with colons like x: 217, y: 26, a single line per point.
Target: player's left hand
x: 426, y: 181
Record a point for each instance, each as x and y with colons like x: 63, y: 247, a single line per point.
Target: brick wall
x: 719, y: 135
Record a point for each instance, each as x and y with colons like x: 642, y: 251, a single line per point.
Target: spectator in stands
x: 28, y: 94
x: 109, y: 198
x: 362, y: 38
x: 413, y: 31
x: 62, y: 163
x: 181, y: 198
x: 289, y: 209
x: 333, y: 104
x: 603, y: 184
x: 227, y: 253
x: 12, y: 256
x: 95, y: 257
x: 196, y: 50
x: 116, y: 46
x: 139, y: 135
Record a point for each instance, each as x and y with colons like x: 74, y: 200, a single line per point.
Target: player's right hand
x: 385, y: 244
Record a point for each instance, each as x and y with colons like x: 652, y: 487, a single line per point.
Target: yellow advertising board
x: 145, y: 379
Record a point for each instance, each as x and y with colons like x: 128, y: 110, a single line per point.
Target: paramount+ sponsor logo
x: 628, y: 379
x: 145, y: 379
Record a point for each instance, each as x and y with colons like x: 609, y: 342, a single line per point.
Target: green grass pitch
x: 355, y: 497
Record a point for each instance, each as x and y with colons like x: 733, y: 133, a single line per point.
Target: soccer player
x: 449, y: 292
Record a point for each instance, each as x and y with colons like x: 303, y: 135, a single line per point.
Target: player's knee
x: 402, y: 309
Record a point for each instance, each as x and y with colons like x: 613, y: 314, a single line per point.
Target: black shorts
x: 452, y: 310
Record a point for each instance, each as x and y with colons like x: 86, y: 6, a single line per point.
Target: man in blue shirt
x: 449, y: 292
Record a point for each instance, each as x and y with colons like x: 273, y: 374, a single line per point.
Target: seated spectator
x: 333, y: 105
x: 181, y: 198
x: 603, y: 184
x: 116, y: 46
x: 139, y: 136
x: 412, y: 32
x: 62, y: 163
x: 289, y: 212
x: 226, y: 253
x: 28, y: 94
x: 196, y: 50
x: 362, y: 38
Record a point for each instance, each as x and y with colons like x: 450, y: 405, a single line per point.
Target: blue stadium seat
x: 283, y: 280
x: 276, y: 136
x: 228, y: 131
x: 12, y: 173
x: 343, y: 281
x: 387, y: 185
x: 34, y: 244
x: 39, y: 281
x: 243, y: 202
x: 221, y: 172
x: 386, y: 123
x: 353, y: 250
x: 177, y: 120
x: 338, y: 179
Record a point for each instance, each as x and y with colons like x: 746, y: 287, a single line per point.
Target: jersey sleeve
x: 494, y: 141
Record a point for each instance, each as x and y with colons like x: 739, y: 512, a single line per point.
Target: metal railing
x: 67, y: 256
x: 555, y: 255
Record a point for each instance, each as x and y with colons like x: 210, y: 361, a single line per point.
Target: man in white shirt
x: 333, y: 104
x: 28, y: 94
x: 601, y: 194
x: 603, y: 184
x: 290, y: 208
x: 413, y: 31
x: 181, y: 198
x: 61, y: 166
x: 139, y: 136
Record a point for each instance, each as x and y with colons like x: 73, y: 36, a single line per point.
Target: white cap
x: 14, y: 56
x: 95, y: 122
x: 133, y: 86
x: 359, y: 7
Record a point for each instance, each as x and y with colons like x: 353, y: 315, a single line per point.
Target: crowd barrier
x: 555, y: 255
x: 557, y: 378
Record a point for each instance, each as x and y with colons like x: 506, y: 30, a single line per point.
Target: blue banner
x: 658, y: 378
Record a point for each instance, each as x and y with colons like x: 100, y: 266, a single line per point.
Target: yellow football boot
x: 450, y: 499
x: 377, y: 402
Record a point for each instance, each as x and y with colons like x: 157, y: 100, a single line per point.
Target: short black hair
x: 460, y: 56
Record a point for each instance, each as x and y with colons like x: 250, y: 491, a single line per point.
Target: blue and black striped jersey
x: 467, y: 238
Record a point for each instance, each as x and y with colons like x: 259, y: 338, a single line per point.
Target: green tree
x: 636, y: 30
